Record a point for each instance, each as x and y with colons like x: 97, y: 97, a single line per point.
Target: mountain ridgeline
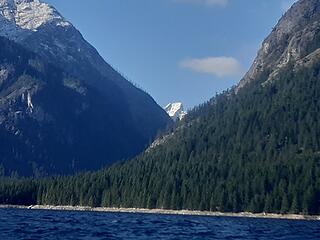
x: 63, y: 109
x: 255, y: 147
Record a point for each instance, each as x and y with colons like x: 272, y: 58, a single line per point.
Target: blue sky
x: 176, y: 50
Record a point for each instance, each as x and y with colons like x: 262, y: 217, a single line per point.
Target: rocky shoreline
x: 167, y: 212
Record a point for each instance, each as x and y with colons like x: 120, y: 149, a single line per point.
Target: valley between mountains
x: 253, y: 148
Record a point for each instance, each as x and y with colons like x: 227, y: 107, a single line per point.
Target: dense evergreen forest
x: 257, y: 150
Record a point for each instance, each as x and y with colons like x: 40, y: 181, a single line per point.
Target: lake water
x: 33, y: 224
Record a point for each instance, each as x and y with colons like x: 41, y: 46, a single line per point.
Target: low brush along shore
x: 169, y: 212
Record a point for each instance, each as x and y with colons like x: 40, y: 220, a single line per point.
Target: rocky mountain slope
x: 87, y: 117
x: 293, y: 42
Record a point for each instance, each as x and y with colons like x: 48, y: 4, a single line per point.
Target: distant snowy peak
x: 28, y: 15
x: 175, y: 111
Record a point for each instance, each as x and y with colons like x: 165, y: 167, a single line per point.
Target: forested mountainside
x: 63, y: 109
x: 252, y: 148
x: 244, y: 152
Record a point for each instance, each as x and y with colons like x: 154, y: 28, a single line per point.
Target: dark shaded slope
x: 66, y: 48
x: 95, y: 111
x: 67, y: 126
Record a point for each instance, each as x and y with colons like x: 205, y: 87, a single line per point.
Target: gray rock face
x: 295, y: 38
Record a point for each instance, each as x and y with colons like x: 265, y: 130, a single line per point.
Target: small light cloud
x: 221, y: 3
x: 286, y: 4
x: 217, y: 66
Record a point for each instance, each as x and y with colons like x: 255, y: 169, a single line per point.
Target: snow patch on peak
x: 175, y: 110
x: 30, y: 14
x: 172, y: 108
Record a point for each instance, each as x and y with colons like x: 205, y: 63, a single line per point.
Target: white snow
x: 19, y: 15
x: 30, y: 105
x: 175, y: 110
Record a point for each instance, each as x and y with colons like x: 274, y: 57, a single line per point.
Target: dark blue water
x: 31, y: 224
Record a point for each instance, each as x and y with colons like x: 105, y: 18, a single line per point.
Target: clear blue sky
x: 176, y: 50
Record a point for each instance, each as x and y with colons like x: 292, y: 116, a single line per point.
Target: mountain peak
x: 293, y: 39
x: 175, y: 110
x: 30, y: 14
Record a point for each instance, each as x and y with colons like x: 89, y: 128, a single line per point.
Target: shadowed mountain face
x: 62, y: 107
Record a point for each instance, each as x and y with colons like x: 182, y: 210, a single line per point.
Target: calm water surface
x: 39, y: 224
